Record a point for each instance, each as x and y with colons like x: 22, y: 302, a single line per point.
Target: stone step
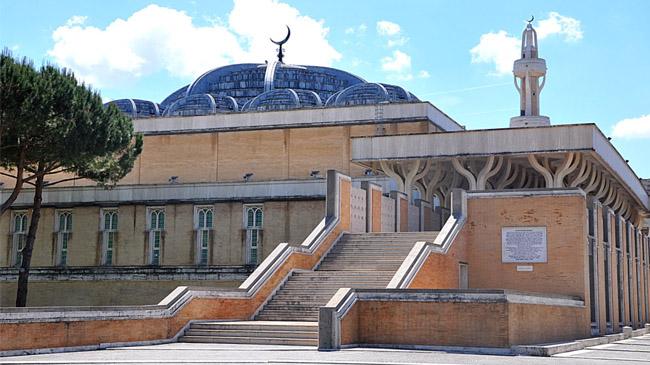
x: 365, y: 255
x: 325, y: 284
x: 360, y: 272
x: 290, y: 307
x: 334, y: 286
x: 257, y: 325
x: 251, y: 340
x: 315, y: 283
x: 384, y: 240
x: 361, y: 262
x: 284, y: 317
x: 276, y: 315
x: 351, y: 267
x: 383, y: 245
x: 252, y: 333
x: 391, y: 234
x: 347, y: 274
x: 372, y: 250
x: 322, y: 279
x: 308, y: 295
x: 363, y: 259
x: 314, y: 302
x: 339, y: 276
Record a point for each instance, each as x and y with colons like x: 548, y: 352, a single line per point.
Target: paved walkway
x: 631, y: 351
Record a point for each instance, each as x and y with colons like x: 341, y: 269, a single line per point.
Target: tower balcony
x: 535, y: 67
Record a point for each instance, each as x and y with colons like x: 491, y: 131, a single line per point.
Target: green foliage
x: 61, y: 124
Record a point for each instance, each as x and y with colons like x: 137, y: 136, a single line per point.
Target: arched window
x: 63, y: 228
x: 109, y: 235
x: 19, y: 237
x: 253, y: 217
x: 203, y: 226
x: 156, y: 227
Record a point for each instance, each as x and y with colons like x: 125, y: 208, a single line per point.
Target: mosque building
x: 352, y: 209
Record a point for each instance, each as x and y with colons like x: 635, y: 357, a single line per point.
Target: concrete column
x: 616, y: 320
x: 337, y: 198
x: 401, y: 211
x: 426, y: 215
x: 600, y: 268
x: 373, y: 206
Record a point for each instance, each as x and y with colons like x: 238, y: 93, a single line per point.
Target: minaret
x: 527, y: 72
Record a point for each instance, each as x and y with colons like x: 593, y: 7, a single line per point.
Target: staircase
x: 365, y: 260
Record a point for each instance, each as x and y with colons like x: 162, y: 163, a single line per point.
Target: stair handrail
x: 310, y: 244
x: 182, y: 295
x: 441, y: 244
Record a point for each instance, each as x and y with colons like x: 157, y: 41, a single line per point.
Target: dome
x: 136, y: 108
x: 249, y: 87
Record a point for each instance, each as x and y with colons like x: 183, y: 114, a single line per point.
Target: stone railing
x: 129, y: 273
x: 439, y: 319
x: 33, y: 329
x: 441, y: 244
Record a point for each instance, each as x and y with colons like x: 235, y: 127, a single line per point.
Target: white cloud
x: 632, y: 128
x: 76, y: 20
x: 399, y: 62
x: 423, y: 74
x: 561, y: 25
x: 360, y: 29
x: 502, y: 49
x: 397, y: 42
x: 398, y: 66
x: 157, y: 38
x: 386, y: 28
x: 498, y: 48
x: 393, y: 33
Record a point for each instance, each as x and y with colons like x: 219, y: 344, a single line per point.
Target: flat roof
x: 299, y: 118
x: 504, y: 141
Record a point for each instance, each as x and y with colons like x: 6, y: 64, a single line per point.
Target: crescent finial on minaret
x: 281, y: 43
x: 532, y: 17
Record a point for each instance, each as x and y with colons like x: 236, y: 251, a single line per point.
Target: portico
x: 511, y: 158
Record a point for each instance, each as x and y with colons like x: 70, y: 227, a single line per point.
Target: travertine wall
x: 97, y: 329
x: 271, y: 154
x: 566, y: 270
x: 458, y: 323
x: 284, y: 221
x: 100, y: 292
x: 479, y: 245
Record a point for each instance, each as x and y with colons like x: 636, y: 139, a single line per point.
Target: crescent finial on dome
x: 281, y: 43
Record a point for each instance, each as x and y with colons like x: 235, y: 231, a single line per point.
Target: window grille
x: 156, y: 220
x: 63, y: 227
x: 203, y: 226
x: 253, y: 215
x: 19, y: 237
x: 109, y: 235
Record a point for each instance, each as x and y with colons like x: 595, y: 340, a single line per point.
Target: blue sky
x: 455, y: 54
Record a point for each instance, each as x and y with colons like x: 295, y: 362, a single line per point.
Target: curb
x: 556, y: 348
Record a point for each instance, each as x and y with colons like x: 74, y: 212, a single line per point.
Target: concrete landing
x: 636, y: 349
x: 203, y: 353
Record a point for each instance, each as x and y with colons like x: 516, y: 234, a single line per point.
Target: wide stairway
x: 364, y: 260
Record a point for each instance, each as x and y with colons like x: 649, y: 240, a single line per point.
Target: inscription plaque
x: 523, y: 244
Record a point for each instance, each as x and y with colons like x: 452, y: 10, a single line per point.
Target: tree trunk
x: 23, y: 273
x: 19, y: 183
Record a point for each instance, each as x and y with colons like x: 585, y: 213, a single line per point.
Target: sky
x: 457, y: 55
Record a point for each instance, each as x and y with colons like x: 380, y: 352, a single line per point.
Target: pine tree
x: 54, y: 129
